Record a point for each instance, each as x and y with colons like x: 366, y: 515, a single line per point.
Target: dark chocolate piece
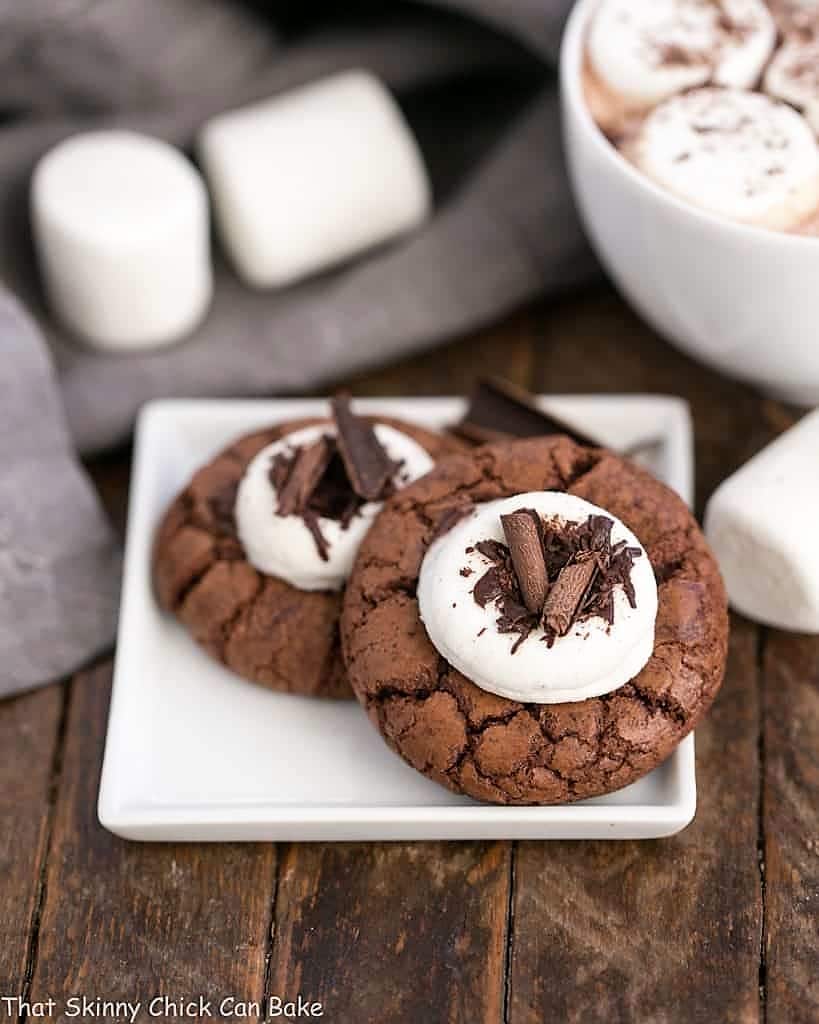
x: 498, y: 410
x: 492, y: 586
x: 311, y: 482
x: 332, y: 478
x: 582, y: 571
x: 304, y: 473
x: 515, y: 618
x: 499, y: 583
x: 523, y: 531
x: 369, y: 468
x: 311, y: 521
x: 334, y: 498
x: 568, y: 595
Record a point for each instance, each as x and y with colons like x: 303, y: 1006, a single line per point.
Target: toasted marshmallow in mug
x: 736, y: 154
x: 644, y: 51
x: 796, y: 16
x: 793, y: 76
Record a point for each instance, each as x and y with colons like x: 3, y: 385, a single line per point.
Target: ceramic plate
x: 195, y: 753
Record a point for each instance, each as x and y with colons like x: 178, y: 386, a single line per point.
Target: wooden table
x: 718, y: 924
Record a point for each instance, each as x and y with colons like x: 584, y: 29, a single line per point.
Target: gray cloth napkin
x: 476, y: 81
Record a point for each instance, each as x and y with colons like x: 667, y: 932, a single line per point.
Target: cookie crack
x: 184, y: 592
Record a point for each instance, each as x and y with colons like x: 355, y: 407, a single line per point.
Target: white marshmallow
x: 796, y: 16
x: 282, y: 546
x: 592, y: 659
x: 737, y: 154
x: 310, y: 178
x: 760, y: 524
x: 648, y: 50
x: 793, y: 76
x: 120, y: 224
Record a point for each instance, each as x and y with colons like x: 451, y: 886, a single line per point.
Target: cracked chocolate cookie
x: 580, y: 592
x: 252, y: 555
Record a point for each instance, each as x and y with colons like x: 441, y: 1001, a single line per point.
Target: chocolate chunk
x: 597, y: 534
x: 490, y: 587
x: 334, y: 498
x: 332, y: 478
x: 499, y: 583
x: 368, y: 466
x: 305, y: 470
x: 516, y: 618
x: 280, y: 469
x: 523, y: 532
x: 499, y: 410
x: 568, y: 594
x: 311, y: 521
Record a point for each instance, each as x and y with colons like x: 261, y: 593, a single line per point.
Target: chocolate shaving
x: 498, y: 410
x: 568, y: 595
x: 499, y: 580
x: 334, y: 498
x: 524, y: 536
x: 303, y: 475
x: 499, y: 583
x: 582, y: 567
x: 311, y: 521
x: 369, y: 469
x: 492, y: 586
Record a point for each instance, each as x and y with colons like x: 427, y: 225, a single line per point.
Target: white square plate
x: 194, y: 753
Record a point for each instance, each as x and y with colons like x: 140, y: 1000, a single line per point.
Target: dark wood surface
x: 718, y: 924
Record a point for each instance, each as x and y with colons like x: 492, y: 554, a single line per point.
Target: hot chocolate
x: 716, y: 101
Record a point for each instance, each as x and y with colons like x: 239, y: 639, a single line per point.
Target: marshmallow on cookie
x: 796, y: 17
x: 541, y: 598
x: 306, y: 501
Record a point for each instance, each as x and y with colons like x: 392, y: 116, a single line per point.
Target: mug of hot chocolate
x: 692, y: 135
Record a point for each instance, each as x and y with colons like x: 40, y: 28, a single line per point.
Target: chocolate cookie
x: 496, y: 749
x: 261, y: 627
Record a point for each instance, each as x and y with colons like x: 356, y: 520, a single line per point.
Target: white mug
x: 743, y: 299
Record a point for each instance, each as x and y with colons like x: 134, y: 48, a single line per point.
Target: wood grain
x: 664, y: 931
x: 394, y: 932
x: 505, y: 349
x: 29, y: 737
x: 791, y: 822
x: 129, y: 920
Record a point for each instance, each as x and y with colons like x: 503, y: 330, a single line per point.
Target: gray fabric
x: 504, y: 231
x: 59, y: 559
